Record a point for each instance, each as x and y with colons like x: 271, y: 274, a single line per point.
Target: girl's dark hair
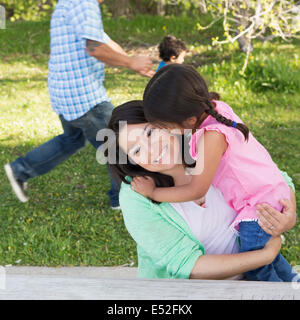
x: 132, y: 112
x: 170, y: 46
x: 177, y: 92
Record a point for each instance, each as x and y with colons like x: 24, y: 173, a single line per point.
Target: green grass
x: 68, y: 220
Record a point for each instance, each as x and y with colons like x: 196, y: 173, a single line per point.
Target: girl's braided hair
x: 177, y: 92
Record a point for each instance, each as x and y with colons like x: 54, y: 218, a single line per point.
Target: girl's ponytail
x: 240, y: 126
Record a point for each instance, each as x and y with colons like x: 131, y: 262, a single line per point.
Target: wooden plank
x: 24, y: 287
x: 84, y: 271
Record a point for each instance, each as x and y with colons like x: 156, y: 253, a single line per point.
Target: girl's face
x: 152, y: 148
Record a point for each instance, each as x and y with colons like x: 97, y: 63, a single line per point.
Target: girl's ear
x: 190, y: 122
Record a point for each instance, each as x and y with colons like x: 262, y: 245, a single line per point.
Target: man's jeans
x: 253, y: 237
x: 50, y: 154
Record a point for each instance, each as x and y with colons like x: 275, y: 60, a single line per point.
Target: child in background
x: 177, y: 97
x: 171, y: 50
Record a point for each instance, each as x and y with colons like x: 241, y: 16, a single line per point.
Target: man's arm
x: 112, y: 54
x: 116, y: 47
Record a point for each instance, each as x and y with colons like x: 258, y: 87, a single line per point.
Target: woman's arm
x: 208, y: 266
x: 223, y: 266
x: 174, y: 250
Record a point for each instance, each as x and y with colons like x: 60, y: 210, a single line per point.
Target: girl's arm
x: 223, y: 266
x: 210, y: 149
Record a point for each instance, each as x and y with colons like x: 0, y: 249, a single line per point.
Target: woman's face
x: 152, y: 148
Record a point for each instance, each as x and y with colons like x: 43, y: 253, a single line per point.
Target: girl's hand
x: 272, y: 248
x: 143, y: 185
x: 274, y: 222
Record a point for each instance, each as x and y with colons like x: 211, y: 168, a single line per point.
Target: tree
x: 245, y: 20
x: 28, y: 9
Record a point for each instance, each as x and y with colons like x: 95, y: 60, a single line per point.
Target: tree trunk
x: 202, y: 6
x: 161, y: 7
x: 9, y: 11
x: 244, y: 42
x: 118, y: 7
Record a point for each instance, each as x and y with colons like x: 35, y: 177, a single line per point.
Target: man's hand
x: 143, y: 185
x: 114, y: 55
x: 142, y: 65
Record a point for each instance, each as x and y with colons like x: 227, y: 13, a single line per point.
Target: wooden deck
x: 66, y: 286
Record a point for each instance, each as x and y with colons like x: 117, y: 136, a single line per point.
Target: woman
x: 180, y: 240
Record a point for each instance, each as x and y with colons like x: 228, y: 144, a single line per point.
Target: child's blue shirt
x: 162, y: 64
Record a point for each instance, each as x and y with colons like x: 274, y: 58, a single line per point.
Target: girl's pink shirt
x: 247, y: 175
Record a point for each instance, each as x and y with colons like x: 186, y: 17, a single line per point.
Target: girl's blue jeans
x: 50, y: 154
x: 253, y: 237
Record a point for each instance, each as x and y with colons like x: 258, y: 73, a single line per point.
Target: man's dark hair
x: 170, y: 46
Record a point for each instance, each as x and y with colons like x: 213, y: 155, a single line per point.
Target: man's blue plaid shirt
x: 75, y: 78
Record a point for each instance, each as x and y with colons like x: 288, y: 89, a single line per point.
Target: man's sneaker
x: 116, y: 208
x: 18, y: 186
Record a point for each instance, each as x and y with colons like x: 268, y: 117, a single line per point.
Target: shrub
x: 273, y: 73
x: 28, y: 9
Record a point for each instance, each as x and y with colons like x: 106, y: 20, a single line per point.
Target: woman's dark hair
x: 177, y: 92
x: 132, y: 112
x: 169, y: 47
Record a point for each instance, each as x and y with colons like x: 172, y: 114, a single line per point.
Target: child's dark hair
x: 177, y: 92
x: 169, y: 47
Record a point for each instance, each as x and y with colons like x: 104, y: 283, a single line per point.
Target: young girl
x: 228, y: 156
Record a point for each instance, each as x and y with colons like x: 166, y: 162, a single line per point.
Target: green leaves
x: 29, y: 9
x: 273, y: 73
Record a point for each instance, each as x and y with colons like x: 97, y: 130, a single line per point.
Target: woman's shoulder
x: 126, y: 190
x: 129, y: 199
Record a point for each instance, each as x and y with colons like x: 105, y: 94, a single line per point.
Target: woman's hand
x: 274, y: 222
x: 143, y: 185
